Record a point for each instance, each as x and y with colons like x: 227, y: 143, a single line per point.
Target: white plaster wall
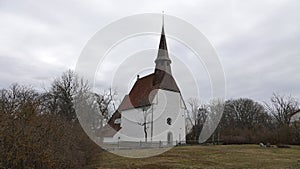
x: 166, y: 104
x: 170, y: 106
x: 131, y: 129
x: 107, y: 139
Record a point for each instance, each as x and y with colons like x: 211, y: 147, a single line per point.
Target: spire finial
x: 163, y: 18
x: 163, y: 61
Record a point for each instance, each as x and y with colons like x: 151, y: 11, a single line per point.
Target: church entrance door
x: 170, y: 138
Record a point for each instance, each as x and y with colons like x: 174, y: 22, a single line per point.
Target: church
x: 153, y: 111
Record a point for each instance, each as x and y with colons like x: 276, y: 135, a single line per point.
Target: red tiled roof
x: 139, y: 94
x: 145, y: 89
x: 111, y: 128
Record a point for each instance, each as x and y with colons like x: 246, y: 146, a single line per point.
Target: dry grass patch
x: 222, y: 156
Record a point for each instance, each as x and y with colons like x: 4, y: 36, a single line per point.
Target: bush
x: 31, y: 138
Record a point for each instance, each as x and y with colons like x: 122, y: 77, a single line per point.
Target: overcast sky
x: 258, y: 42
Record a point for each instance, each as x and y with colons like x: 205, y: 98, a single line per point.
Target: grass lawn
x: 219, y: 156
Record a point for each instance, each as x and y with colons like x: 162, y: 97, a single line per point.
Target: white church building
x: 153, y: 111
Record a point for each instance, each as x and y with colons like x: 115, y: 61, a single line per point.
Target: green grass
x: 221, y: 156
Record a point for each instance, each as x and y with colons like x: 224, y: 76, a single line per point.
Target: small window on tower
x: 169, y: 121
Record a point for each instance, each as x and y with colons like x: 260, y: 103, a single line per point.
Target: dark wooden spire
x: 163, y: 61
x: 162, y: 73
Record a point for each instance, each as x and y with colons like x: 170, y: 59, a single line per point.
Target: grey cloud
x: 257, y: 41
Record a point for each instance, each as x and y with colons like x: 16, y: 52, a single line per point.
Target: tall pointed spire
x: 163, y: 61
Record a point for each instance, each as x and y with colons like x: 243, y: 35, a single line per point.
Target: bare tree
x: 197, y: 113
x: 281, y: 107
x: 145, y: 120
x: 107, y: 104
x: 243, y: 113
x: 64, y: 89
x: 216, y: 109
x: 197, y: 116
x: 94, y: 110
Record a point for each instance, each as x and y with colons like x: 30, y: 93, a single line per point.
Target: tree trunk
x: 145, y: 131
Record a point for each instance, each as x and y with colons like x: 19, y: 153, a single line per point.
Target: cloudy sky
x: 257, y: 41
